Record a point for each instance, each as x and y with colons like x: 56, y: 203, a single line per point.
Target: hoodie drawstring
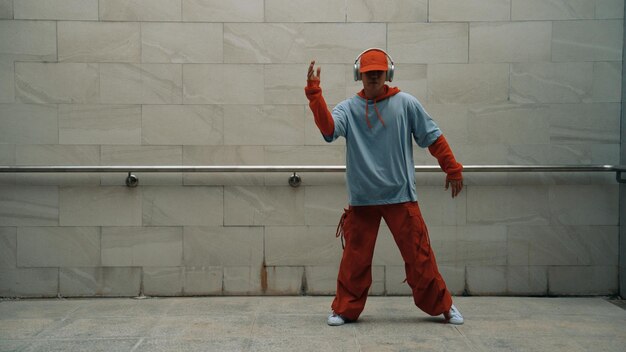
x: 367, y: 119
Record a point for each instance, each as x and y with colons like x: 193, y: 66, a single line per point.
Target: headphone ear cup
x: 390, y: 72
x: 355, y: 71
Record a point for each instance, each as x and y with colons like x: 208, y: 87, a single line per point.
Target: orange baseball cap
x: 373, y: 60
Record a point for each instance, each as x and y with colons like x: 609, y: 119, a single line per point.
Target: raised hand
x: 311, y: 76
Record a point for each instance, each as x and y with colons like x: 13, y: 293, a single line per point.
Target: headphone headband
x: 357, y: 65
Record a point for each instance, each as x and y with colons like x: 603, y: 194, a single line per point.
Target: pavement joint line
x: 141, y: 339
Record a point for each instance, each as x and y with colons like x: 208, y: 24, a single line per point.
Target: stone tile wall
x: 208, y: 82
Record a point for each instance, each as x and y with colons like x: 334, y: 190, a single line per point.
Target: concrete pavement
x: 299, y: 324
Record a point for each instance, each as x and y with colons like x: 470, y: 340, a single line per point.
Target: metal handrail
x: 295, y: 180
x: 303, y: 168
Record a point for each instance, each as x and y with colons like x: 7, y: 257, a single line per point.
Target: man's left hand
x: 455, y: 185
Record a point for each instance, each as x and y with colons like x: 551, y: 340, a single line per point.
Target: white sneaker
x: 453, y: 316
x: 335, y: 319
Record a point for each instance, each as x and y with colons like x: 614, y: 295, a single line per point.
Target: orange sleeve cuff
x: 317, y: 104
x: 441, y: 150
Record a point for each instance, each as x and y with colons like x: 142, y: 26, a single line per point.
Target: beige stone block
x: 552, y: 82
x: 121, y: 83
x: 6, y: 9
x: 284, y: 280
x: 562, y: 155
x: 387, y: 11
x: 423, y: 43
x: 439, y: 208
x: 607, y: 85
x: 570, y: 123
x: 301, y: 245
x: 140, y: 10
x: 470, y: 154
x: 263, y: 206
x: 242, y: 280
x: 469, y: 10
x: 71, y: 83
x: 141, y: 155
x: 508, y: 205
x: 99, y: 124
x: 305, y: 155
x: 584, y: 205
x: 171, y: 206
x: 7, y: 79
x: 99, y: 42
x: 607, y: 154
x: 232, y: 155
x: 482, y: 245
x: 56, y: 9
x: 182, y: 124
x: 70, y: 155
x: 58, y: 246
x: 508, y: 124
x: 28, y: 40
x: 284, y: 84
x: 28, y: 124
x: 29, y: 206
x: 487, y: 280
x: 552, y: 10
x: 323, y: 205
x: 582, y: 280
x: 454, y: 276
x: 7, y: 154
x: 321, y: 280
x: 394, y: 281
x: 200, y: 280
x: 510, y: 41
x: 316, y: 11
x: 453, y: 120
x: 285, y: 42
x: 412, y: 79
x: 562, y: 245
x: 141, y: 84
x: 29, y: 282
x: 163, y: 281
x: 100, y: 206
x: 263, y: 124
x: 609, y: 9
x: 378, y: 281
x: 215, y: 246
x: 142, y: 246
x: 223, y: 11
x: 120, y: 155
x: 465, y: 84
x: 182, y: 42
x: 102, y: 281
x: 236, y: 84
x: 8, y: 247
x: 223, y: 155
x: 161, y: 84
x: 599, y: 40
x: 527, y: 280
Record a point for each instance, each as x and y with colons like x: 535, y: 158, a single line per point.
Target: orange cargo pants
x: 360, y: 228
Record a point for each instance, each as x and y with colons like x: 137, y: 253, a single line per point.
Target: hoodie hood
x: 387, y: 92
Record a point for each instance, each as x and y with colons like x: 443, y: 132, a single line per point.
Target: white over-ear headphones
x: 357, y: 65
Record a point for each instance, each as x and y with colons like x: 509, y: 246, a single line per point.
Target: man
x: 379, y: 124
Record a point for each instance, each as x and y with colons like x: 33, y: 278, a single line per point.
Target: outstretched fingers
x: 311, y: 73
